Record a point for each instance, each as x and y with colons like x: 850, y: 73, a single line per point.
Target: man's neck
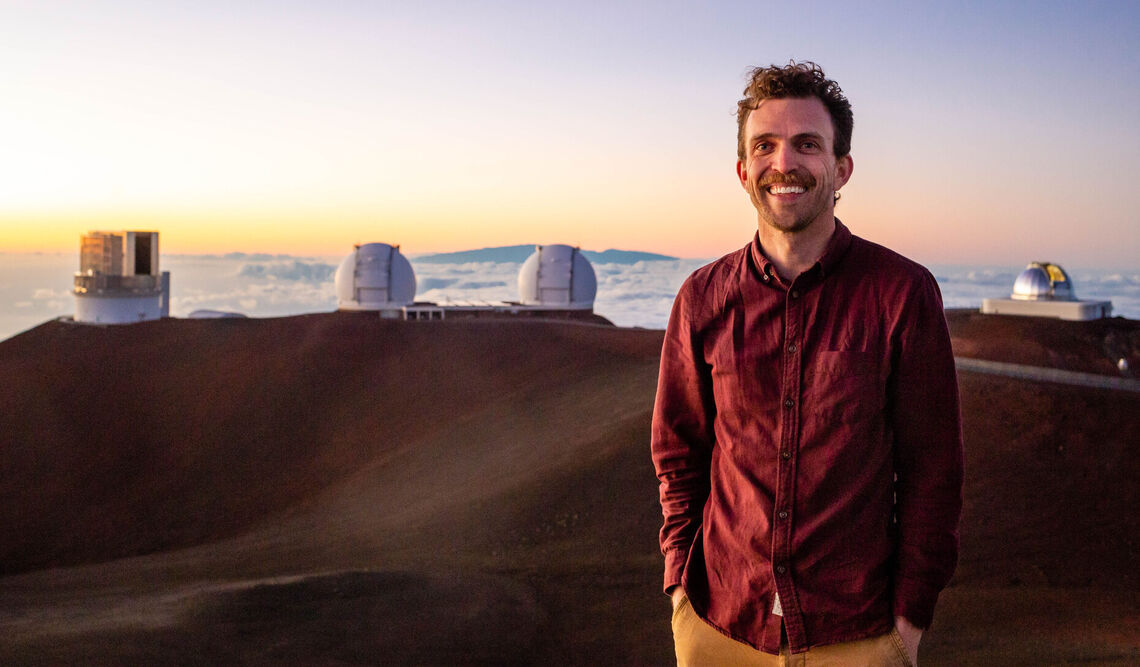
x: 792, y: 253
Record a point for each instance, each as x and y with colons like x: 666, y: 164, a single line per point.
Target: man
x: 806, y: 432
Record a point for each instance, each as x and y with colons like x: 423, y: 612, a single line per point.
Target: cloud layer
x: 35, y: 288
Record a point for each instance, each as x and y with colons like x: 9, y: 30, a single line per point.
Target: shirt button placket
x: 789, y: 439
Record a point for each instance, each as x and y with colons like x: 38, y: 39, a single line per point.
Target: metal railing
x: 1041, y: 374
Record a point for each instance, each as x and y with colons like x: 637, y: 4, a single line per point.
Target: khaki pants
x: 699, y: 644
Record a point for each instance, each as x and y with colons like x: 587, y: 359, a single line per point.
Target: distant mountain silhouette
x: 519, y: 253
x: 612, y: 256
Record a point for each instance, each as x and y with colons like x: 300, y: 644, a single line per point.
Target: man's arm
x: 681, y: 440
x: 926, y: 420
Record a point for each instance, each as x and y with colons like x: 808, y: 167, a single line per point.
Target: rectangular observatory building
x: 119, y: 280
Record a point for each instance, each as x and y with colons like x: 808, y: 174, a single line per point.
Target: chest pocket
x: 847, y: 385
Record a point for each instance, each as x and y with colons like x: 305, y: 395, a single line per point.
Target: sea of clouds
x: 37, y: 287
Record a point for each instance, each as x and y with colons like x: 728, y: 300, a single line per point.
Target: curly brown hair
x: 804, y: 79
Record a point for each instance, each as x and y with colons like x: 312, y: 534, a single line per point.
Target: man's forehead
x: 790, y: 116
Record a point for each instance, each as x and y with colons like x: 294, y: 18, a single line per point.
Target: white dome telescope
x: 1043, y: 280
x: 557, y: 276
x: 375, y: 277
x: 1043, y: 289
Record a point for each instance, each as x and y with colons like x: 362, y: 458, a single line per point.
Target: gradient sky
x: 986, y: 132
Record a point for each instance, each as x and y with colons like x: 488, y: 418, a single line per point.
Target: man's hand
x: 909, y: 634
x: 677, y: 593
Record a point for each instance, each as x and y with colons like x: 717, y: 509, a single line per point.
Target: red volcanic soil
x: 1088, y: 347
x: 337, y: 489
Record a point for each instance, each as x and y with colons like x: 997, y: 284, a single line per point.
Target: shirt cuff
x: 915, y: 600
x: 674, y: 567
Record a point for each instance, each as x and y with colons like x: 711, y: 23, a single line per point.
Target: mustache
x: 790, y: 178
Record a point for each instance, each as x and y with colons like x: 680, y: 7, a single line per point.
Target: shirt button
x: 785, y: 455
x: 783, y: 515
x: 765, y: 277
x: 780, y: 569
x: 789, y: 403
x: 795, y: 294
x: 791, y: 347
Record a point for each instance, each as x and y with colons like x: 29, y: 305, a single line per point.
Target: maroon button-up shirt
x: 807, y: 440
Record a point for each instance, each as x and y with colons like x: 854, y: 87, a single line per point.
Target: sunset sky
x: 984, y: 132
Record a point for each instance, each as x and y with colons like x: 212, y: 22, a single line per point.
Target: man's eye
x: 763, y: 146
x: 809, y: 145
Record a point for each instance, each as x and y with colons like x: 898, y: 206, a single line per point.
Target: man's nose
x: 783, y: 159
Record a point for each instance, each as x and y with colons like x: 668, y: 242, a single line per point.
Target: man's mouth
x: 791, y: 184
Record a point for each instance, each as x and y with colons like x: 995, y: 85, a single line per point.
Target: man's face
x: 789, y: 170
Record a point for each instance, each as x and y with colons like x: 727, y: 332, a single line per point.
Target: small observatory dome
x: 209, y: 314
x: 1043, y: 281
x: 557, y: 276
x: 375, y: 277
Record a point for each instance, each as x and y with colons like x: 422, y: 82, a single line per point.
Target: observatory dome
x: 557, y: 276
x: 1043, y: 281
x: 375, y: 276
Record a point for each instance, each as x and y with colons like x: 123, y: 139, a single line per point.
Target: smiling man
x: 806, y: 432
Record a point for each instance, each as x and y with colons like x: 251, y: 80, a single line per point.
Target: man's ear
x: 742, y: 173
x: 843, y: 169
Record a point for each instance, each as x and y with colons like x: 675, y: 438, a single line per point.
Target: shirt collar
x: 832, y: 255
